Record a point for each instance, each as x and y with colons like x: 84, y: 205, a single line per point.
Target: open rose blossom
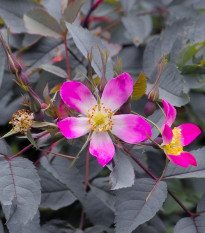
x: 175, y: 139
x: 99, y: 116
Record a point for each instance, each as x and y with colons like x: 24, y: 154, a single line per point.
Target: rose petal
x: 131, y: 128
x: 74, y: 127
x: 183, y: 160
x: 117, y: 91
x: 189, y: 132
x: 170, y: 113
x: 76, y: 95
x: 167, y: 135
x: 102, y: 147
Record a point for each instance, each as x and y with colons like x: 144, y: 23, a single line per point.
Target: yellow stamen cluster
x: 174, y: 147
x: 100, y: 118
x: 22, y: 121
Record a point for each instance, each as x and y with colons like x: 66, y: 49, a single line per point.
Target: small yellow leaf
x: 56, y: 88
x: 139, y: 87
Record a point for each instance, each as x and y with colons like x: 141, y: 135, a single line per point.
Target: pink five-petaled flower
x: 174, y: 140
x: 99, y: 117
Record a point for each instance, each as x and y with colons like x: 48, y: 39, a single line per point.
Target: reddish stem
x: 87, y: 169
x: 67, y: 57
x: 92, y: 8
x: 21, y: 151
x: 81, y: 219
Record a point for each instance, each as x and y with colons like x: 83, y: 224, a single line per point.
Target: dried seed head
x: 22, y: 121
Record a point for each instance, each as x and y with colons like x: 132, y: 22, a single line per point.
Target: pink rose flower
x: 175, y: 139
x: 99, y: 116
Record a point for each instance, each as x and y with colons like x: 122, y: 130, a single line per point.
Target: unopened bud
x: 14, y: 65
x: 159, y: 141
x: 24, y: 78
x: 153, y: 95
x: 149, y: 108
x: 44, y: 105
x: 126, y: 108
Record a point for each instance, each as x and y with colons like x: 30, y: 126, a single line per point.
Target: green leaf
x: 187, y: 53
x: 55, y: 70
x: 19, y: 186
x: 139, y: 88
x: 138, y: 204
x: 38, y: 21
x: 174, y: 171
x: 193, y: 70
x: 11, y: 132
x: 30, y: 138
x: 72, y: 9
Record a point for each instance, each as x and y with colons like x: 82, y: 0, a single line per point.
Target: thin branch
x: 21, y: 151
x: 192, y: 215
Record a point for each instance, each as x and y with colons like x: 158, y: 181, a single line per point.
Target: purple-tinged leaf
x: 138, y: 204
x: 122, y: 175
x: 189, y: 225
x: 19, y: 189
x: 72, y: 9
x: 174, y: 171
x: 55, y: 195
x: 39, y: 22
x: 33, y: 226
x: 87, y: 42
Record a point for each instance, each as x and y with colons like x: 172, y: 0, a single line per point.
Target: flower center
x: 100, y: 118
x: 174, y: 147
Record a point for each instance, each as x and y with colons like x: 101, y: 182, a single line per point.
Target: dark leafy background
x: 44, y: 196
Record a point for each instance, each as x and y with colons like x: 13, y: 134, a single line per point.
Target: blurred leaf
x: 138, y: 28
x: 55, y: 70
x: 139, y: 88
x: 98, y: 229
x: 73, y: 7
x: 192, y: 70
x: 40, y: 53
x: 54, y: 8
x: 138, y: 204
x: 87, y: 42
x: 38, y: 21
x: 55, y: 195
x: 12, y: 12
x: 19, y: 186
x: 171, y: 86
x: 190, y: 225
x: 2, y: 63
x: 174, y: 171
x: 201, y: 205
x: 123, y: 175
